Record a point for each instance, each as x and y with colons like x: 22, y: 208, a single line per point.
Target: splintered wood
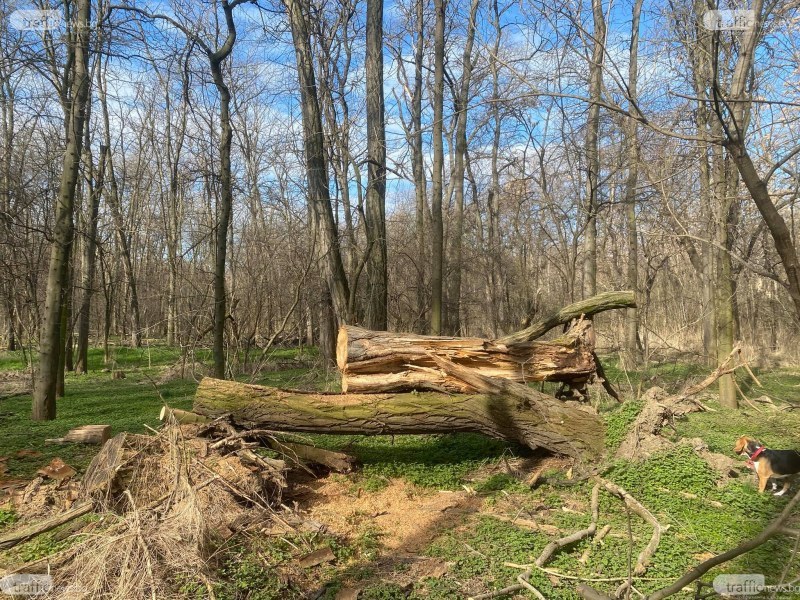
x: 380, y: 361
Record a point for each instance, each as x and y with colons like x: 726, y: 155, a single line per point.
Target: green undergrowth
x: 429, y: 461
x: 131, y: 404
x: 678, y: 486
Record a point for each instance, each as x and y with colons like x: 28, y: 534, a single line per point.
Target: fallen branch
x: 595, y: 542
x: 547, y: 553
x: 632, y: 503
x: 553, y: 546
x: 299, y: 453
x: 17, y: 537
x: 590, y: 306
x: 704, y: 567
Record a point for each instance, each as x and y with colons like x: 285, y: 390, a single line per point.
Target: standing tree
x: 591, y: 200
x: 319, y: 199
x: 375, y: 201
x: 437, y: 224
x: 632, y: 342
x: 461, y: 95
x: 73, y: 81
x: 216, y: 58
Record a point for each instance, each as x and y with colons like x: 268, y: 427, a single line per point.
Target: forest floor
x: 442, y: 516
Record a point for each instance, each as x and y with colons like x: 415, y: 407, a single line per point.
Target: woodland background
x: 461, y: 169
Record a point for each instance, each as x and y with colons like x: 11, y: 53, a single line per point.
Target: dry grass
x: 178, y: 503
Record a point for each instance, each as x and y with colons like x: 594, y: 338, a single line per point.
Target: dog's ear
x: 740, y: 445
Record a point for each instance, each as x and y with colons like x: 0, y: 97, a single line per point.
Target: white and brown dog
x: 775, y: 464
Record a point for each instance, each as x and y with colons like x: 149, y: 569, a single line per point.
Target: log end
x: 341, y: 352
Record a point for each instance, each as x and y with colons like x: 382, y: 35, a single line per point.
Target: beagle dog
x: 776, y: 464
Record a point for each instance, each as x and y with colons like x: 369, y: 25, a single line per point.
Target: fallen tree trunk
x: 537, y: 420
x: 381, y: 361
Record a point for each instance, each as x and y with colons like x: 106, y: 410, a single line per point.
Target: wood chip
x: 57, y: 470
x: 323, y: 555
x: 348, y: 593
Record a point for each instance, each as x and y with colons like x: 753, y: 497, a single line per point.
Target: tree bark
x: 73, y: 101
x: 375, y: 200
x: 535, y: 421
x: 437, y: 225
x: 376, y: 361
x: 592, y: 147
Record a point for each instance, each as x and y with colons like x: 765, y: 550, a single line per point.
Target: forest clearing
x: 451, y: 515
x: 387, y: 299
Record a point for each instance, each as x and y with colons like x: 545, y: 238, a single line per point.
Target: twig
x: 646, y: 554
x: 551, y: 548
x: 560, y: 575
x: 523, y: 581
x: 598, y: 538
x: 704, y: 567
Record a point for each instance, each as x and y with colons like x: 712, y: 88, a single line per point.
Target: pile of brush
x: 163, y: 505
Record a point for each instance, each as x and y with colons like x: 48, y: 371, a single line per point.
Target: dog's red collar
x: 754, y: 456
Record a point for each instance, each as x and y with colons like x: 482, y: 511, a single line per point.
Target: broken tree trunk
x: 536, y: 420
x: 381, y: 361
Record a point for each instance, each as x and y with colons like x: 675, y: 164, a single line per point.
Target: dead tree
x: 506, y: 410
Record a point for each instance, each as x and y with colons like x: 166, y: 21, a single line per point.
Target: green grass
x: 678, y: 486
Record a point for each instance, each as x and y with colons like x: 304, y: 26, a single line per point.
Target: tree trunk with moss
x: 506, y: 410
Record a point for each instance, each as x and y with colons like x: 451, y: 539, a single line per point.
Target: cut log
x: 103, y: 472
x: 181, y: 417
x: 537, y: 420
x: 304, y: 453
x: 380, y: 361
x: 86, y: 434
x: 590, y: 306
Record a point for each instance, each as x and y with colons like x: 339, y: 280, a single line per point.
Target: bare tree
x: 461, y: 96
x: 632, y: 341
x: 375, y: 201
x: 319, y: 199
x: 74, y: 95
x: 437, y: 225
x: 591, y: 199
